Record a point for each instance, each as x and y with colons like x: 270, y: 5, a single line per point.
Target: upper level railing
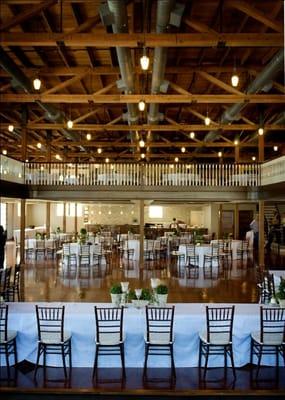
x: 11, y: 170
x: 273, y: 171
x: 148, y: 174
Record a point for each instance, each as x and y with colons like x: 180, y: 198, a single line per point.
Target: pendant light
x: 144, y: 60
x: 37, y: 83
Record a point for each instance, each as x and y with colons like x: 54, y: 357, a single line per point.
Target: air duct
x: 257, y: 85
x: 115, y: 13
x: 21, y: 80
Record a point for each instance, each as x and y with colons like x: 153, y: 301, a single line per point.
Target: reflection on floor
x: 187, y: 379
x: 49, y: 280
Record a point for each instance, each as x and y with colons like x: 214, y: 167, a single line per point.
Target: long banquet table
x: 189, y: 320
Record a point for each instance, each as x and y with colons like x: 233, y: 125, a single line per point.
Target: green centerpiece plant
x: 162, y: 294
x: 281, y: 293
x: 116, y: 294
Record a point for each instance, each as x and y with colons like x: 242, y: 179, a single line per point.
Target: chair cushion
x: 162, y: 338
x: 270, y: 339
x: 10, y: 336
x: 216, y: 338
x: 109, y: 339
x: 54, y: 337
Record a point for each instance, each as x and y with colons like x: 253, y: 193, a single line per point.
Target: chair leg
x: 259, y: 359
x: 200, y: 354
x: 95, y: 361
x: 70, y: 356
x: 146, y: 358
x: 63, y: 360
x: 38, y: 360
x: 232, y: 361
x: 206, y: 361
x: 15, y: 351
x: 45, y: 363
x: 172, y: 362
x: 122, y: 352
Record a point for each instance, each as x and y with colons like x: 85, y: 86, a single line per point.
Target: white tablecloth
x: 234, y: 244
x: 189, y: 320
x: 200, y: 252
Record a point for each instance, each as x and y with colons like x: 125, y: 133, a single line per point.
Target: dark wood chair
x: 8, y: 344
x: 217, y: 339
x: 270, y: 339
x: 5, y: 277
x: 109, y: 334
x: 52, y: 338
x: 192, y: 261
x: 159, y: 338
x: 14, y: 286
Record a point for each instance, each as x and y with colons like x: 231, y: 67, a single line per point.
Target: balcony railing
x: 273, y: 171
x: 186, y: 175
x: 11, y: 170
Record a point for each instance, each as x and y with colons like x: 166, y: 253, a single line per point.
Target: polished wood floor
x: 48, y: 280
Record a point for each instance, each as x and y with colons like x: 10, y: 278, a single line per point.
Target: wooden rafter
x: 104, y: 40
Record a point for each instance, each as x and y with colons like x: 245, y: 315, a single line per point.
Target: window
x: 155, y: 212
x: 3, y: 215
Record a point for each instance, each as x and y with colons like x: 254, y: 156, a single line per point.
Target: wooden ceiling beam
x: 134, y: 40
x: 25, y: 15
x: 109, y: 127
x: 219, y: 83
x: 256, y: 14
x: 65, y: 84
x: 148, y: 98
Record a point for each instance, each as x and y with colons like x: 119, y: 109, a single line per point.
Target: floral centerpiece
x: 162, y: 294
x: 116, y: 293
x: 281, y: 293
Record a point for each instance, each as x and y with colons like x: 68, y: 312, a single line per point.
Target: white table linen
x: 189, y: 320
x: 200, y: 252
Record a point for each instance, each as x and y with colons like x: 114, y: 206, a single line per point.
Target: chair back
x: 159, y: 323
x: 272, y: 329
x: 190, y: 250
x: 85, y: 249
x: 109, y: 322
x: 65, y: 249
x: 50, y: 322
x: 220, y: 322
x: 5, y: 276
x: 3, y: 322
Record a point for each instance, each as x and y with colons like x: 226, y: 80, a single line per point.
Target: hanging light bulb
x: 260, y: 131
x: 37, y: 83
x: 207, y: 120
x: 11, y: 128
x: 57, y: 156
x: 39, y: 145
x: 235, y: 79
x: 253, y: 158
x: 144, y: 60
x: 141, y: 105
x: 69, y: 124
x: 220, y: 154
x: 99, y: 150
x: 141, y: 143
x: 176, y: 159
x: 183, y: 149
x: 192, y: 135
x: 107, y: 160
x: 275, y: 148
x: 4, y: 151
x: 88, y: 136
x: 236, y: 142
x: 142, y: 155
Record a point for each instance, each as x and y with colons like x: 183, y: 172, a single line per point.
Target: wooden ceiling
x: 68, y: 47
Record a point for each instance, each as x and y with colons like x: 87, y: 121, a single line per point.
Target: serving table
x: 189, y: 320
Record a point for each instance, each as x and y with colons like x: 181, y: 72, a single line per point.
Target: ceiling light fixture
x: 11, y: 128
x: 183, y: 149
x: 220, y: 154
x: 107, y: 160
x: 235, y: 77
x: 144, y: 60
x: 4, y: 151
x: 141, y: 105
x: 88, y: 136
x: 260, y: 131
x: 141, y: 143
x: 207, y: 120
x: 236, y: 142
x: 57, y: 156
x: 176, y: 159
x: 37, y: 83
x: 275, y: 148
x: 69, y: 124
x: 142, y: 155
x: 39, y: 145
x: 253, y: 158
x: 99, y: 150
x: 192, y: 135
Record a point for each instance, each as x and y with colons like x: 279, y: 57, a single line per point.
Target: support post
x: 64, y: 218
x: 261, y: 234
x: 236, y: 221
x: 48, y: 219
x: 141, y: 233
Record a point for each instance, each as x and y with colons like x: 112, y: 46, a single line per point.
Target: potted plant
x: 281, y: 293
x: 116, y: 293
x: 162, y: 294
